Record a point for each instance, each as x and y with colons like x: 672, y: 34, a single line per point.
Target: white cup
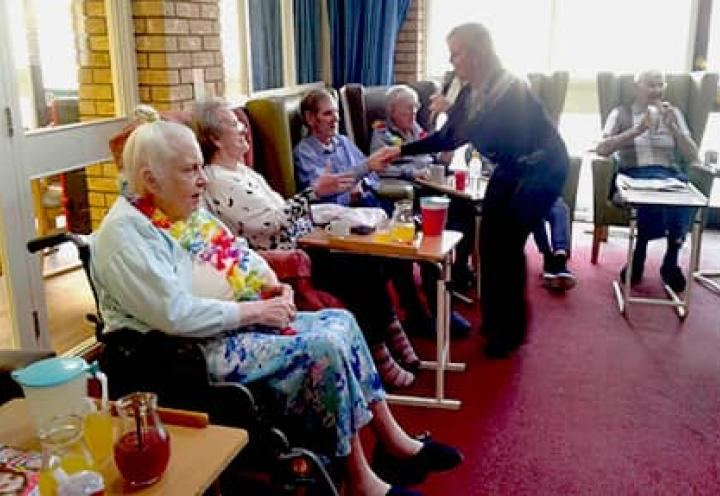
x: 437, y: 174
x: 339, y: 227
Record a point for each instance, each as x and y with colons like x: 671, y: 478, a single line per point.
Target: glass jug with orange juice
x: 402, y: 226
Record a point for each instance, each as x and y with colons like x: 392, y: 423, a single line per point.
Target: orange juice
x: 98, y: 434
x: 382, y: 236
x: 403, y: 232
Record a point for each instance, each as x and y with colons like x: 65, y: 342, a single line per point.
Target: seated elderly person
x: 161, y: 262
x: 400, y: 126
x: 324, y: 150
x: 243, y: 200
x: 649, y: 138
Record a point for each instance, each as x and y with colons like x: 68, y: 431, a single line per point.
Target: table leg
x: 622, y: 295
x: 442, y: 361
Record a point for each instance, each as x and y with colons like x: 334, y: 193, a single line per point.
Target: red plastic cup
x: 461, y: 176
x: 434, y: 210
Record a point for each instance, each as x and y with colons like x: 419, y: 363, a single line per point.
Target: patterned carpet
x: 593, y: 403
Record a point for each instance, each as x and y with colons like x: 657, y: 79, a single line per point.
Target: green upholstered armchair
x: 277, y: 128
x: 692, y: 93
x: 551, y: 89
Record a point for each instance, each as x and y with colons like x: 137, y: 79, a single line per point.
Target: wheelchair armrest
x: 232, y: 404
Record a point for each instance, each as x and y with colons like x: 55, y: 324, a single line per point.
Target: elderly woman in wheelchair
x: 160, y: 262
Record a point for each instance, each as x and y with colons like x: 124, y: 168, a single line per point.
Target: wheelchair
x: 175, y: 369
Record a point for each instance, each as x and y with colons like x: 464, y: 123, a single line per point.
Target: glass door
x: 71, y: 79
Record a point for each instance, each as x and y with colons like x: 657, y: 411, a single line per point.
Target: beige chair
x: 692, y: 93
x: 551, y: 89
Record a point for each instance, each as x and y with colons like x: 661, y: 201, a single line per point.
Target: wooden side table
x: 197, y: 456
x: 435, y: 249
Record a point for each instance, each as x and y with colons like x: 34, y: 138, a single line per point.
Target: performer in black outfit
x: 506, y: 123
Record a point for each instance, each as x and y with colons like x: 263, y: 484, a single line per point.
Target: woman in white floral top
x: 242, y: 199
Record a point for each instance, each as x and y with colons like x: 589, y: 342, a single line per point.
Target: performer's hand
x: 439, y: 103
x: 379, y: 160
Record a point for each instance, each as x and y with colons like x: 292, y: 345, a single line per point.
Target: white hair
x: 399, y: 93
x: 153, y: 146
x: 649, y: 74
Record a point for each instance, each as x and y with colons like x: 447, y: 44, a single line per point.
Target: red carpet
x: 593, y: 403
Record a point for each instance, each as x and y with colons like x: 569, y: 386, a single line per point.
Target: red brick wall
x: 410, y: 45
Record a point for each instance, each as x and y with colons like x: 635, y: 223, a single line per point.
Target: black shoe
x: 432, y: 457
x: 673, y: 277
x: 562, y: 279
x: 498, y: 351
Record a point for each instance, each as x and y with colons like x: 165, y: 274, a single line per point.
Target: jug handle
x: 94, y: 369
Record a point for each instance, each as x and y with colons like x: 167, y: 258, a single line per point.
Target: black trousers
x: 361, y: 283
x: 517, y: 198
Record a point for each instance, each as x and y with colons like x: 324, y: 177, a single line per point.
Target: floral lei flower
x: 208, y: 241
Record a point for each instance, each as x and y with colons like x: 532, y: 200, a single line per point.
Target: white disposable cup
x: 339, y: 227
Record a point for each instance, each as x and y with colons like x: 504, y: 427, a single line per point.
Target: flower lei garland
x: 208, y: 241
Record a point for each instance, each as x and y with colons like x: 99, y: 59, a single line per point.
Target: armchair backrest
x: 277, y: 127
x: 693, y: 93
x: 551, y: 89
x: 363, y: 105
x: 277, y: 124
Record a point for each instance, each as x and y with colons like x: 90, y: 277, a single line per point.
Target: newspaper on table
x: 668, y: 184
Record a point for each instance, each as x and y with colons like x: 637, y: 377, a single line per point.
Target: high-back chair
x: 277, y: 127
x: 363, y: 105
x: 692, y: 93
x: 551, y: 89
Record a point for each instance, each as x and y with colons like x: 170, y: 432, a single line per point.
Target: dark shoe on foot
x: 563, y: 278
x: 402, y: 491
x: 673, y: 277
x: 548, y: 274
x: 432, y: 457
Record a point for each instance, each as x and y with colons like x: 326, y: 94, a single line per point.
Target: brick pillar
x: 177, y: 42
x: 94, y: 78
x: 410, y: 45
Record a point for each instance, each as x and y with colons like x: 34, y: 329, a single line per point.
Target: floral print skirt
x: 324, y: 374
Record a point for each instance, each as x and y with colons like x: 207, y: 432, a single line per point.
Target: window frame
x: 245, y: 55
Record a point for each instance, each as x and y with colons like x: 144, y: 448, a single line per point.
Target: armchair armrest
x: 394, y: 189
x: 295, y: 268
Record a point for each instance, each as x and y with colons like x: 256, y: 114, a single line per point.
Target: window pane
x: 230, y: 36
x: 307, y: 40
x: 266, y: 44
x: 581, y: 36
x: 62, y: 61
x: 713, y: 63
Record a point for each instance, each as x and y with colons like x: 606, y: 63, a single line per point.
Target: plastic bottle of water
x: 474, y: 169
